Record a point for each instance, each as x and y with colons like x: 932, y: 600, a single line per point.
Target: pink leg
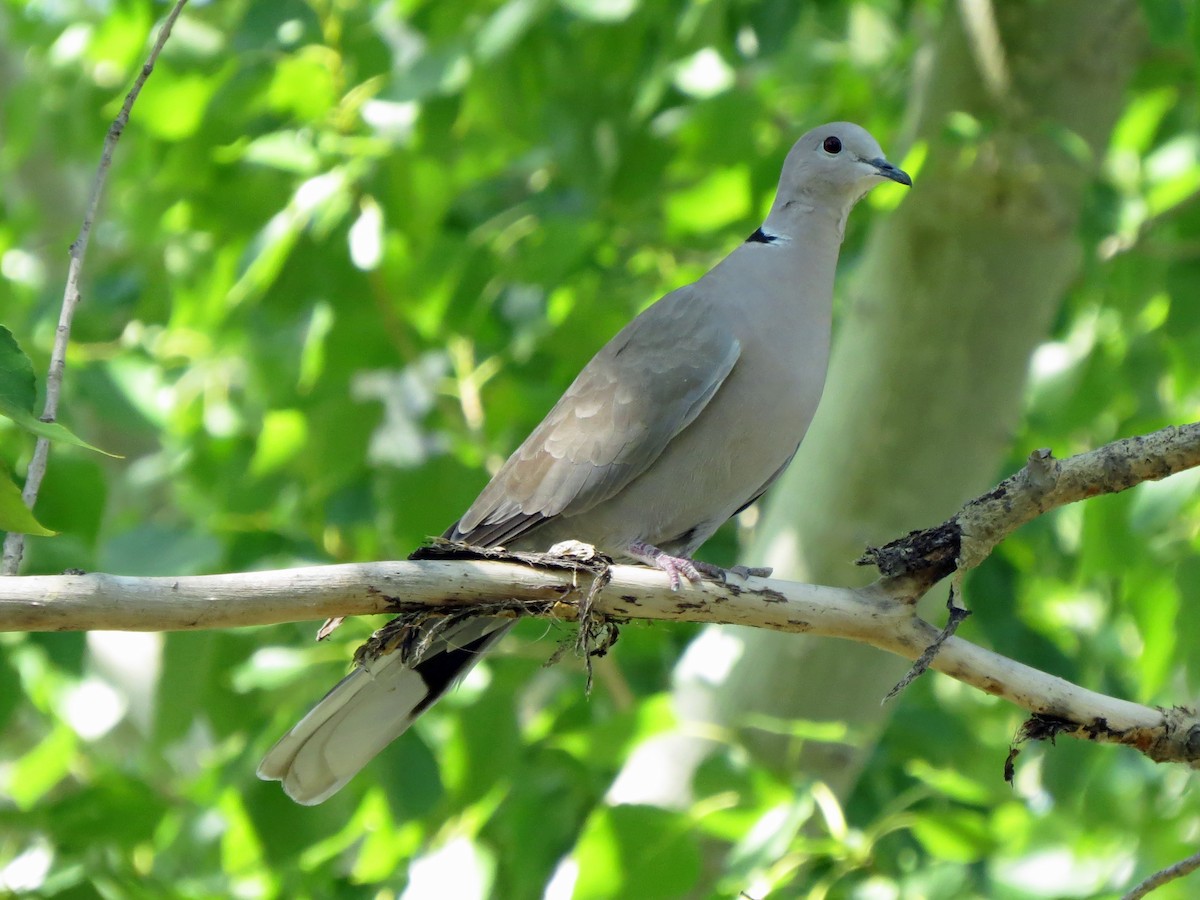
x: 674, y: 566
x: 693, y: 570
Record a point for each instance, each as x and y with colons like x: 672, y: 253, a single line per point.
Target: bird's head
x: 834, y: 166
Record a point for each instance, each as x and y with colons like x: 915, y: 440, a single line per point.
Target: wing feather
x: 642, y: 389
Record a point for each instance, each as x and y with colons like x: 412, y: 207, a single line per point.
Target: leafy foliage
x: 349, y: 255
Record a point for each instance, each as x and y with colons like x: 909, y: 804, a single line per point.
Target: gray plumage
x: 680, y: 421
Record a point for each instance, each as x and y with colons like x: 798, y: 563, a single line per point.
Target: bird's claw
x: 752, y: 571
x: 694, y: 570
x: 719, y: 574
x: 676, y: 567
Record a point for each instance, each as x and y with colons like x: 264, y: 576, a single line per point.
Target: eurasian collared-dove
x: 679, y: 422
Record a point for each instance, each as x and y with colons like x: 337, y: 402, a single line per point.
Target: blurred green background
x: 350, y: 253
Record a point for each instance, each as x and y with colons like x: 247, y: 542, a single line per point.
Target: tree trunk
x: 956, y: 289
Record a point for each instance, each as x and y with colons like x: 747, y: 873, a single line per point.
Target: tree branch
x: 1045, y: 483
x: 1169, y: 874
x: 533, y: 585
x: 882, y: 614
x: 14, y: 543
x: 598, y: 594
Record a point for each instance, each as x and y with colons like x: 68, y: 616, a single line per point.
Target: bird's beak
x: 887, y: 170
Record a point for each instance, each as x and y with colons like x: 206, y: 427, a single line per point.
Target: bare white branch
x: 870, y: 615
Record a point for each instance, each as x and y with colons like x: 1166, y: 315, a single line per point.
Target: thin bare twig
x: 14, y: 544
x: 958, y: 615
x: 1158, y: 879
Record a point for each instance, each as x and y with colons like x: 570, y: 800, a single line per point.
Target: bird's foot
x: 676, y: 567
x: 716, y: 573
x: 742, y: 571
x: 694, y: 570
x: 752, y: 571
x: 720, y: 574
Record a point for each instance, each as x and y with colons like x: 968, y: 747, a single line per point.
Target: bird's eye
x: 832, y: 145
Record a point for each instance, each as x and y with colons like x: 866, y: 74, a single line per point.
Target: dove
x: 679, y: 422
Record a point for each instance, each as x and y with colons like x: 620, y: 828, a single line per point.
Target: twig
x: 1158, y: 879
x: 958, y: 615
x: 14, y: 544
x: 922, y: 558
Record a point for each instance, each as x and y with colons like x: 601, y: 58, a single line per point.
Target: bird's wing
x: 643, y: 388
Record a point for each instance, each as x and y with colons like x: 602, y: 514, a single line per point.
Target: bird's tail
x: 370, y: 708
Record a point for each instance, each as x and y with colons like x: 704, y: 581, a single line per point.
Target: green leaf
x: 173, y: 104
x: 10, y: 689
x: 769, y: 838
x: 17, y: 385
x: 18, y: 391
x: 712, y: 203
x: 1153, y: 597
x: 42, y: 767
x: 53, y: 431
x: 636, y: 851
x: 602, y: 10
x: 954, y: 834
x: 15, y: 516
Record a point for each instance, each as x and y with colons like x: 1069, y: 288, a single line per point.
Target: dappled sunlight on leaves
x: 349, y: 255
